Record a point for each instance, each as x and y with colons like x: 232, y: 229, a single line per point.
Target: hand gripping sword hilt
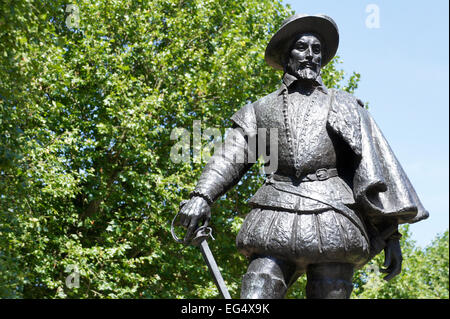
x: 200, y: 234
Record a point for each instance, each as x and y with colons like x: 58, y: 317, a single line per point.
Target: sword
x: 200, y: 240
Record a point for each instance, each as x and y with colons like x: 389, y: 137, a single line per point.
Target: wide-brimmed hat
x: 321, y: 25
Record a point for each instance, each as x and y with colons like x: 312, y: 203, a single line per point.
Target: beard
x: 302, y: 72
x: 307, y: 74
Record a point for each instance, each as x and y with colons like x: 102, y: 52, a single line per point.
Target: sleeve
x: 232, y: 159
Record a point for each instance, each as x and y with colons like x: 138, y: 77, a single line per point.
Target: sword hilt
x: 202, y: 233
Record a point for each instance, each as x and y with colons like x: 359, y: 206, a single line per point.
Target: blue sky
x: 404, y: 67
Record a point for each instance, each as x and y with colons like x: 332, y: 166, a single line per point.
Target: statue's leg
x: 267, y: 278
x: 329, y: 281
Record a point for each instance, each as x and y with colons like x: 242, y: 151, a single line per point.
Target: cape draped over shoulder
x: 380, y: 185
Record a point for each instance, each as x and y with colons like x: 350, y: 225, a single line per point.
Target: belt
x: 320, y: 175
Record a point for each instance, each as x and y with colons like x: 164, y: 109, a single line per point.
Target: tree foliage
x: 86, y: 111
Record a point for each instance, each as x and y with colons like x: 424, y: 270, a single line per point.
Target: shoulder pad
x: 245, y: 119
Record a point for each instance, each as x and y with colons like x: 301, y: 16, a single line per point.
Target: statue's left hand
x: 392, y: 259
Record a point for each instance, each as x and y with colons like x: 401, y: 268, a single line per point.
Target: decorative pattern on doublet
x: 268, y: 114
x: 313, y: 148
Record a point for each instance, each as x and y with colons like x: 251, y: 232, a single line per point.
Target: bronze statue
x: 338, y: 193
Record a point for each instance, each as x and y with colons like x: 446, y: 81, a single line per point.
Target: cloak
x: 380, y: 186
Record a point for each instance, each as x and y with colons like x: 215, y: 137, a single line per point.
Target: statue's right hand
x: 195, y: 211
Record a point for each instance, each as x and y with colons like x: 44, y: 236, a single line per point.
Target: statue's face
x: 305, y: 58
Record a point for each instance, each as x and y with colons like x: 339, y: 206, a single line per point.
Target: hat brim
x: 321, y: 25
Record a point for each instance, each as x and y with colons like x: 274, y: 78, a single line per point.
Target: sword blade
x: 214, y: 269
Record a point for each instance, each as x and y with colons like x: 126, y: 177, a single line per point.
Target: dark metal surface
x: 337, y: 194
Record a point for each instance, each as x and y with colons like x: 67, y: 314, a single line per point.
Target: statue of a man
x: 338, y: 193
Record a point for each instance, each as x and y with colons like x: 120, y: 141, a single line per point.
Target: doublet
x: 304, y: 146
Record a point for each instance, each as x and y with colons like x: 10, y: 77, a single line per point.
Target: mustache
x: 308, y: 64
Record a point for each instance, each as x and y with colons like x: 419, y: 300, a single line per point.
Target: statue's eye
x: 316, y: 49
x: 301, y: 46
